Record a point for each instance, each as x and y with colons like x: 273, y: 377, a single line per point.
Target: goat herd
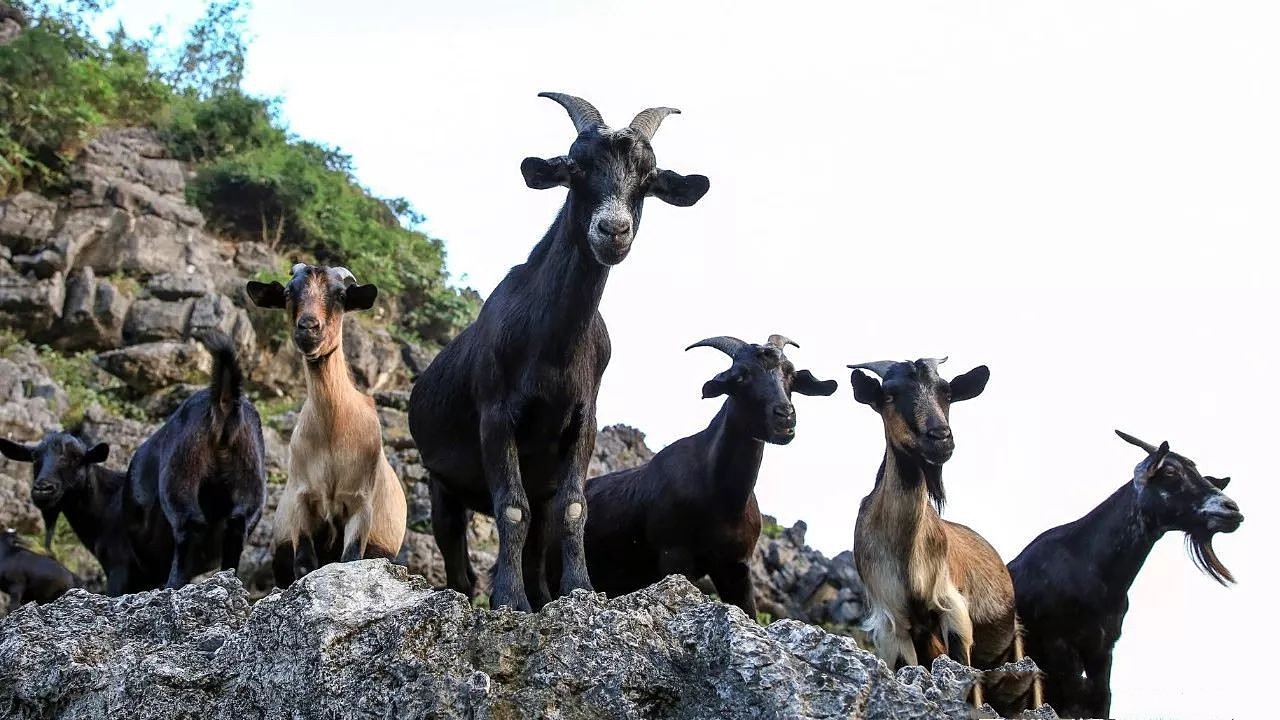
x: 505, y: 422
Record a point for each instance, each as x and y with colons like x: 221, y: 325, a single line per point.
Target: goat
x: 691, y: 510
x: 28, y: 576
x: 1072, y: 582
x: 338, y: 474
x: 505, y: 416
x: 933, y: 586
x: 193, y: 492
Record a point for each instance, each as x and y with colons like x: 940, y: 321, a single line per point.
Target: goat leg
x: 233, y: 539
x: 186, y: 552
x: 535, y: 555
x: 304, y: 559
x: 356, y: 533
x: 449, y: 525
x: 510, y: 508
x: 571, y: 505
x: 733, y: 584
x: 16, y: 590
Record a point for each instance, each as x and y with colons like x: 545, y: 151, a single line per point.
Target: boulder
x: 31, y: 403
x: 366, y: 639
x: 93, y: 313
x: 29, y: 303
x: 172, y: 286
x: 149, y: 367
x: 217, y: 312
x: 150, y: 319
x: 374, y: 356
x: 618, y: 447
x: 26, y: 221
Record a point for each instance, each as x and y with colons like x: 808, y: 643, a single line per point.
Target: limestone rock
x: 150, y: 320
x: 172, y: 286
x: 26, y: 221
x: 149, y: 367
x: 93, y: 313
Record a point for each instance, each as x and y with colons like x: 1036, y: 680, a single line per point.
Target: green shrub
x: 86, y: 385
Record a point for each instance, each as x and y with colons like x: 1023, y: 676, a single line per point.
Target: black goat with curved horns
x: 505, y: 416
x: 933, y: 586
x: 692, y: 510
x: 1072, y: 582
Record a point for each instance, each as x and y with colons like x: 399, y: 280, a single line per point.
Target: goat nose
x: 1231, y: 505
x: 308, y: 322
x: 784, y: 411
x: 939, y: 433
x: 614, y: 226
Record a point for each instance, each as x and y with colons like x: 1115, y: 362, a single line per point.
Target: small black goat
x: 193, y: 492
x: 505, y: 416
x: 692, y: 510
x: 1072, y: 582
x: 28, y: 576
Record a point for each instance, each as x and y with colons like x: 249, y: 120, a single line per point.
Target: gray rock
x: 16, y: 510
x: 122, y: 434
x: 150, y: 320
x: 618, y: 447
x: 26, y: 221
x: 90, y: 237
x: 252, y: 257
x: 93, y: 313
x: 40, y: 265
x: 367, y: 640
x: 217, y: 312
x: 374, y: 356
x: 179, y: 285
x: 31, y: 403
x: 151, y: 366
x: 33, y: 305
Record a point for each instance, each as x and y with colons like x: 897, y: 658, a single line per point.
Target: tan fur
x: 338, y: 474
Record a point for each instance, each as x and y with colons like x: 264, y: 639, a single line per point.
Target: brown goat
x: 342, y: 496
x: 935, y: 587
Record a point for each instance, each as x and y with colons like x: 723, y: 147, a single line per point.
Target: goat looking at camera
x: 692, y: 510
x: 1072, y: 582
x: 342, y: 500
x: 505, y: 416
x: 934, y: 586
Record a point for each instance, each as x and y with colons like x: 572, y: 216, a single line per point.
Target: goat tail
x: 226, y: 384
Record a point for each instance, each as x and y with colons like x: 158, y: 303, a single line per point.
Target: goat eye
x: 888, y: 399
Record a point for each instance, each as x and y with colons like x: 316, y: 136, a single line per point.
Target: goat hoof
x: 518, y: 603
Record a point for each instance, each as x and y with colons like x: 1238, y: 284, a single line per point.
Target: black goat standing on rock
x: 193, y: 491
x: 1072, y: 582
x: 28, y: 576
x: 691, y: 510
x: 505, y: 416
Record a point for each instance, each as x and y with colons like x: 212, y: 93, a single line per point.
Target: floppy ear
x: 14, y: 451
x: 679, y: 190
x: 98, y: 453
x: 541, y: 174
x: 360, y: 297
x: 866, y: 389
x: 722, y: 384
x: 806, y: 384
x: 971, y: 384
x: 266, y: 295
x: 1220, y: 483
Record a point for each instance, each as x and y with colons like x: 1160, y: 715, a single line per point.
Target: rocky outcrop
x: 367, y: 639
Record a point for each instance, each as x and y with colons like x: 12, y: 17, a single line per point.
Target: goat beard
x: 1200, y: 548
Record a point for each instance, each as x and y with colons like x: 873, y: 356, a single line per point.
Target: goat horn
x: 297, y: 267
x: 782, y: 341
x: 879, y: 367
x: 724, y: 343
x: 347, y: 277
x: 646, y: 123
x: 1135, y: 441
x: 583, y: 114
x: 933, y: 363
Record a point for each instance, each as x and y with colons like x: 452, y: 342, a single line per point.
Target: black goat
x: 28, y: 576
x: 505, y: 416
x: 1072, y: 582
x: 692, y: 510
x: 193, y: 492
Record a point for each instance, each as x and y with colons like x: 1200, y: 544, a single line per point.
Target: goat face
x: 762, y: 379
x: 315, y: 299
x: 60, y: 464
x: 609, y: 173
x: 1175, y: 496
x: 915, y: 403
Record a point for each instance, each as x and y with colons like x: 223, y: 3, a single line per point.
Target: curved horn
x: 724, y: 343
x: 647, y: 121
x: 297, y: 267
x: 347, y: 277
x: 583, y: 114
x: 1135, y: 441
x: 879, y: 367
x: 933, y: 363
x: 782, y: 341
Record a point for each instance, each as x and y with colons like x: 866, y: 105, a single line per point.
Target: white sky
x: 1081, y: 195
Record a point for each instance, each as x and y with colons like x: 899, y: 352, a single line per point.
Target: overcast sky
x: 1081, y: 195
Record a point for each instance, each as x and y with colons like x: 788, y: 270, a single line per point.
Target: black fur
x: 28, y: 576
x: 1072, y: 582
x: 504, y: 417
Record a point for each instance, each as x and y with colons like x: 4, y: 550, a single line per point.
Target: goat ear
x: 1220, y: 483
x: 1159, y: 456
x: 542, y: 174
x: 98, y: 453
x: 679, y: 190
x: 265, y: 295
x: 971, y: 384
x: 721, y: 384
x: 14, y: 451
x: 866, y: 389
x: 360, y: 297
x: 806, y: 384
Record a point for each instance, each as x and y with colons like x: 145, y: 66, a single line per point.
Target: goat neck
x: 733, y: 455
x: 84, y: 509
x: 566, y: 281
x: 1118, y: 538
x: 900, y: 498
x: 329, y: 382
